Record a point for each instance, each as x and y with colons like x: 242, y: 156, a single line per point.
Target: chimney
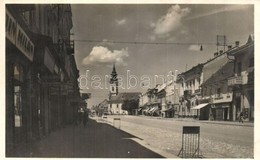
x: 237, y: 43
x: 229, y: 47
x: 221, y: 51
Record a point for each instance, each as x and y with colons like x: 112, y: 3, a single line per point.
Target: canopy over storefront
x: 200, y: 106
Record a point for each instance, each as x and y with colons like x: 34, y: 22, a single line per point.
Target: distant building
x: 116, y: 99
x: 189, y: 90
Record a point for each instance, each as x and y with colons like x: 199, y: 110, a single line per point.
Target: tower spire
x: 114, y: 69
x: 113, y: 83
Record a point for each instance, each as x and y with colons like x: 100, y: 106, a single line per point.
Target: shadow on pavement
x: 96, y: 140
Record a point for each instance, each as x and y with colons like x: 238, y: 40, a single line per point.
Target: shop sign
x: 18, y: 37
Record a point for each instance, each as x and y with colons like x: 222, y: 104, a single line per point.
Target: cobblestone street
x: 165, y: 134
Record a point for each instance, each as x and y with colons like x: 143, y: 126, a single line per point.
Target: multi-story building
x: 189, y: 90
x: 217, y: 96
x: 41, y: 73
x: 152, y: 107
x: 242, y: 81
x: 215, y: 91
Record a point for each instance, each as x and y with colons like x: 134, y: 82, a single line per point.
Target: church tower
x: 113, y: 83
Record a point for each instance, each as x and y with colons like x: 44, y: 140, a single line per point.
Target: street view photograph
x: 151, y: 80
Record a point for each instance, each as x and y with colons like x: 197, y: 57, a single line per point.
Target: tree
x: 130, y: 105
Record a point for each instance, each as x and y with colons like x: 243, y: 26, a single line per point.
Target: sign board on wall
x: 18, y: 37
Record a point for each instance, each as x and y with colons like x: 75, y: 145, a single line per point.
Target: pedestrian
x: 85, y: 118
x: 80, y: 116
x: 241, y: 117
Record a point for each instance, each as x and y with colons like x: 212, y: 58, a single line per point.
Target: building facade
x: 41, y: 73
x: 215, y: 90
x: 189, y: 90
x: 242, y: 81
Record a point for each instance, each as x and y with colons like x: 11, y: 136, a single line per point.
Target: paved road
x: 217, y: 141
x: 97, y: 140
x: 237, y: 135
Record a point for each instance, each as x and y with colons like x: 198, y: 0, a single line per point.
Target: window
x: 17, y: 107
x: 239, y: 68
x: 218, y: 92
x: 18, y: 72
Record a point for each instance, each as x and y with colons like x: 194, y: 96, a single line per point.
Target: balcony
x: 236, y: 80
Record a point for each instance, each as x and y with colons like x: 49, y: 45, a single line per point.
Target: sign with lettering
x: 18, y: 37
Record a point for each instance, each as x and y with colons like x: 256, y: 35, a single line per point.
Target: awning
x: 200, y: 106
x: 151, y: 109
x: 146, y: 110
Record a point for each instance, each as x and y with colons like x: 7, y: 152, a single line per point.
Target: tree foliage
x: 130, y: 105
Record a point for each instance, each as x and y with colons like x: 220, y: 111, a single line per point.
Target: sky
x: 149, y: 40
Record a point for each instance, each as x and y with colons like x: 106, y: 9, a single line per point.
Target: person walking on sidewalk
x: 85, y: 118
x: 241, y: 117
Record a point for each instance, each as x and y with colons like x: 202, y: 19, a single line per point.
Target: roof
x: 223, y: 73
x: 249, y: 46
x: 121, y: 97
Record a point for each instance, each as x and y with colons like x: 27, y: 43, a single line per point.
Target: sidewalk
x: 234, y: 123
x: 97, y: 140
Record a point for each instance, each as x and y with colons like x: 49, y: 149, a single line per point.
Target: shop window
x: 17, y: 106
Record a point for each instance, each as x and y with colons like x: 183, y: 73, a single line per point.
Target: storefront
x: 202, y: 111
x: 221, y: 111
x: 19, y: 57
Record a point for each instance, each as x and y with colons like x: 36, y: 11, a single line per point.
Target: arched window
x: 18, y: 72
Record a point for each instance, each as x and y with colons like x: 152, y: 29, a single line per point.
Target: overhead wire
x: 143, y: 42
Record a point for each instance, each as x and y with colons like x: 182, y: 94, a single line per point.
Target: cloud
x: 221, y: 10
x: 121, y: 22
x: 103, y: 56
x: 194, y: 48
x: 169, y: 22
